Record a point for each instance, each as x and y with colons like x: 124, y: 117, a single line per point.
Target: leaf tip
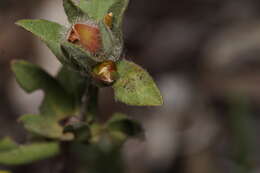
x: 21, y: 22
x: 158, y: 102
x: 14, y: 64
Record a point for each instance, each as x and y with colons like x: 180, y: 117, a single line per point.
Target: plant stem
x: 92, y: 106
x: 89, y: 105
x: 84, y: 102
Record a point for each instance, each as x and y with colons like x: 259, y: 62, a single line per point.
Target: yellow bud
x: 105, y: 72
x: 108, y: 19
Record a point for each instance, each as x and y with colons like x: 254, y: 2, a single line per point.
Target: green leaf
x: 57, y: 102
x: 118, y: 9
x: 42, y: 125
x: 135, y: 86
x: 46, y: 30
x: 107, y: 38
x: 112, y: 46
x: 48, y: 127
x: 96, y: 9
x: 79, y: 56
x: 50, y: 33
x: 25, y: 154
x: 73, y: 12
x: 31, y: 77
x: 121, y: 123
x: 7, y: 144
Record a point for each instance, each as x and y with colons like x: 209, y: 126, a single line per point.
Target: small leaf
x: 57, y: 102
x: 135, y: 86
x: 50, y: 33
x: 96, y: 9
x: 25, y: 154
x: 73, y: 12
x: 7, y: 144
x: 43, y: 126
x: 121, y: 123
x: 31, y: 77
x: 79, y: 56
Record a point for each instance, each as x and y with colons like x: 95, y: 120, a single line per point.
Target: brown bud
x: 87, y: 36
x: 106, y: 72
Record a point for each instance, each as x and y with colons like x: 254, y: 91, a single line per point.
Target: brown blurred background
x: 205, y: 57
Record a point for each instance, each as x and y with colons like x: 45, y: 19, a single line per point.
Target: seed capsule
x: 105, y: 72
x: 86, y: 36
x: 108, y: 19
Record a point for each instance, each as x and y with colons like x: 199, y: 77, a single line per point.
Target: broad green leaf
x: 57, y: 102
x: 26, y: 154
x: 50, y: 33
x: 135, y: 86
x: 121, y: 123
x: 79, y: 56
x: 46, y: 30
x: 7, y: 144
x: 73, y: 12
x: 96, y: 9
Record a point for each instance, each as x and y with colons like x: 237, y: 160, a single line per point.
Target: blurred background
x: 205, y: 57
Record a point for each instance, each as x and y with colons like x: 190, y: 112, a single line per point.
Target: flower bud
x: 108, y: 19
x: 105, y: 72
x: 87, y: 36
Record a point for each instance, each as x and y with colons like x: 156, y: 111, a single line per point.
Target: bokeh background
x: 205, y: 57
